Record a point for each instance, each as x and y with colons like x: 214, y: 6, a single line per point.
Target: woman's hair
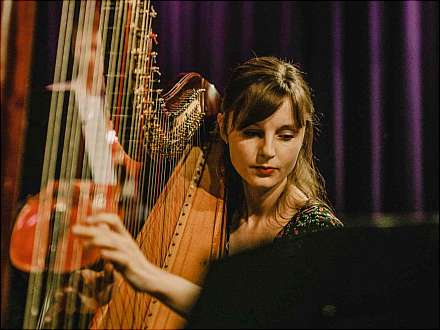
x: 256, y: 89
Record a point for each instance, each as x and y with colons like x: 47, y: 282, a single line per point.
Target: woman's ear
x: 222, y: 128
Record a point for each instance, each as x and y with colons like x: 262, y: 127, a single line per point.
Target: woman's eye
x: 251, y: 133
x: 286, y: 137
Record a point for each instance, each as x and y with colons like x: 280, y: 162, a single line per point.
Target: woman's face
x: 265, y: 153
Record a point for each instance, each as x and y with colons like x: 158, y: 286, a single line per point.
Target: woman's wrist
x: 176, y: 292
x: 148, y: 278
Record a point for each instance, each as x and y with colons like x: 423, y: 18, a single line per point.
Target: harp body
x: 192, y: 238
x: 183, y: 224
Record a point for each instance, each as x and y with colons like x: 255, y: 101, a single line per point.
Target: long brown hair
x: 256, y: 89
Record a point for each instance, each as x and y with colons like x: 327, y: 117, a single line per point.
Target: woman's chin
x: 262, y: 183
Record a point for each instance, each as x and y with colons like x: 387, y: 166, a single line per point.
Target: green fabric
x: 311, y: 218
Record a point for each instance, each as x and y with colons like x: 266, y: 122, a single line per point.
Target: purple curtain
x: 373, y: 69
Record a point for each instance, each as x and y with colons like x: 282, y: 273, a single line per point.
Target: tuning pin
x: 153, y: 36
x: 153, y: 13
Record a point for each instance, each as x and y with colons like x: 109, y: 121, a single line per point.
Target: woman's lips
x: 264, y: 171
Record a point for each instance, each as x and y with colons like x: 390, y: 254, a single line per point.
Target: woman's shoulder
x: 311, y: 217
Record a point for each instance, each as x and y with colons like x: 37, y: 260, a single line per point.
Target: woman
x: 273, y: 190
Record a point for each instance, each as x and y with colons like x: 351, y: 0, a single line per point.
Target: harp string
x: 35, y: 284
x: 115, y: 74
x: 124, y: 86
x: 143, y: 80
x: 91, y: 58
x: 130, y: 214
x: 65, y: 189
x: 130, y: 210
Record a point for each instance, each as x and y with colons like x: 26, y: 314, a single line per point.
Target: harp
x: 117, y: 142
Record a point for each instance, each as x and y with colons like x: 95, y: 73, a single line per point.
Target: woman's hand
x: 84, y: 293
x: 96, y: 287
x: 106, y: 232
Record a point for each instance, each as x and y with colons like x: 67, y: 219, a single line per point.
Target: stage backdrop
x: 373, y: 68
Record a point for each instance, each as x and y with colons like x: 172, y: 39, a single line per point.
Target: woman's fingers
x: 91, y: 304
x: 88, y: 276
x: 89, y: 232
x: 99, y: 236
x: 106, y: 232
x: 108, y: 272
x: 116, y: 256
x: 62, y: 86
x: 110, y: 219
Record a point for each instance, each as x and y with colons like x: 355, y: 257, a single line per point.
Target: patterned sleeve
x: 311, y: 219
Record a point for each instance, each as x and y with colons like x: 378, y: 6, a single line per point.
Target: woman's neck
x: 262, y: 202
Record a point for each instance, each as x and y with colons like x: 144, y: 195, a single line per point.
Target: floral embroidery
x: 311, y: 218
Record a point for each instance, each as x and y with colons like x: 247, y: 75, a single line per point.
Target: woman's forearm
x: 176, y: 292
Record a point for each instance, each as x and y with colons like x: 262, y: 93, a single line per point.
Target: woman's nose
x: 267, y: 149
